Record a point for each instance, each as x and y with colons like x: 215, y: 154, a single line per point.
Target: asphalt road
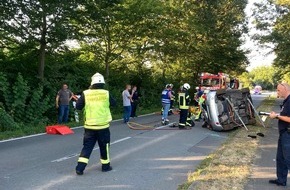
x: 159, y: 159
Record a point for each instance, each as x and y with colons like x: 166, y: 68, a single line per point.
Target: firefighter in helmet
x: 183, y: 99
x: 95, y: 102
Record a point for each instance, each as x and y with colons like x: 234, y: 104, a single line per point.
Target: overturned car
x: 225, y: 109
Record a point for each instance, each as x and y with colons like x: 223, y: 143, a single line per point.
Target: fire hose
x: 138, y: 126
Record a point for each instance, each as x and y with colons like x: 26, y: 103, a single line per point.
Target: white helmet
x: 186, y: 86
x: 169, y: 86
x: 97, y: 79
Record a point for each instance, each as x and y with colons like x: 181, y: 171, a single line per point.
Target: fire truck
x: 217, y: 81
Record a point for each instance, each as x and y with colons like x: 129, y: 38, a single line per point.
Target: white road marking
x: 40, y: 134
x: 116, y: 120
x: 19, y: 138
x: 54, y: 183
x: 121, y: 140
x: 77, y: 154
x: 163, y: 126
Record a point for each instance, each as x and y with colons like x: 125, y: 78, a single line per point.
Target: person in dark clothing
x: 283, y: 150
x: 172, y: 99
x: 135, y: 99
x: 95, y: 102
x: 183, y: 99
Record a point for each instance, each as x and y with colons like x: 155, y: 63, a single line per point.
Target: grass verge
x: 40, y: 128
x: 230, y: 165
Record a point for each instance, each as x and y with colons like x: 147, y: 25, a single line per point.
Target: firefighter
x: 95, y: 102
x: 183, y: 99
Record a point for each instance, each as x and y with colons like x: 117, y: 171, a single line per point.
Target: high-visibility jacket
x: 183, y: 99
x: 97, y: 112
x: 201, y: 99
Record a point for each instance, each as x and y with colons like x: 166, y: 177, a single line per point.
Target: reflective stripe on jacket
x: 97, y: 112
x: 183, y: 100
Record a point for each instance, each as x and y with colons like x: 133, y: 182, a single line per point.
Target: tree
x: 273, y: 19
x: 211, y: 36
x: 264, y: 76
x: 45, y: 24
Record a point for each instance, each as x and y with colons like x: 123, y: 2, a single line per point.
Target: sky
x: 257, y: 56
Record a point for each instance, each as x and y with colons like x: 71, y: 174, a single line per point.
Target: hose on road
x: 138, y: 126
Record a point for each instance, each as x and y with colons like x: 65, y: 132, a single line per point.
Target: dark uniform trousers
x: 283, y: 156
x: 183, y: 117
x: 101, y: 136
x: 134, y: 108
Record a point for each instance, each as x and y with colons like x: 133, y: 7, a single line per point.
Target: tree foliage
x: 273, y: 19
x: 20, y: 104
x: 266, y: 76
x: 40, y: 24
x: 147, y: 43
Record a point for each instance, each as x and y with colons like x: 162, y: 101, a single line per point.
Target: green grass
x: 30, y: 129
x: 230, y: 165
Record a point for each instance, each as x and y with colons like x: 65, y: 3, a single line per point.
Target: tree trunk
x: 107, y: 65
x: 42, y: 49
x: 108, y: 51
x: 42, y: 61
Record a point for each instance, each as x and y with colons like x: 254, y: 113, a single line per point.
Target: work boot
x: 106, y: 167
x: 181, y: 126
x: 275, y: 181
x: 80, y: 168
x: 79, y: 172
x: 192, y: 124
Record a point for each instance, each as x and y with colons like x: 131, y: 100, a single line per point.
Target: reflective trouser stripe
x: 182, y: 124
x: 83, y: 160
x: 184, y: 107
x: 188, y: 120
x: 107, y: 161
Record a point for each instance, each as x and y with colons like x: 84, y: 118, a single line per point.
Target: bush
x: 7, y: 123
x: 22, y: 103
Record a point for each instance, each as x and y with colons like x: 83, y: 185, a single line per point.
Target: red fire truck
x: 219, y: 81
